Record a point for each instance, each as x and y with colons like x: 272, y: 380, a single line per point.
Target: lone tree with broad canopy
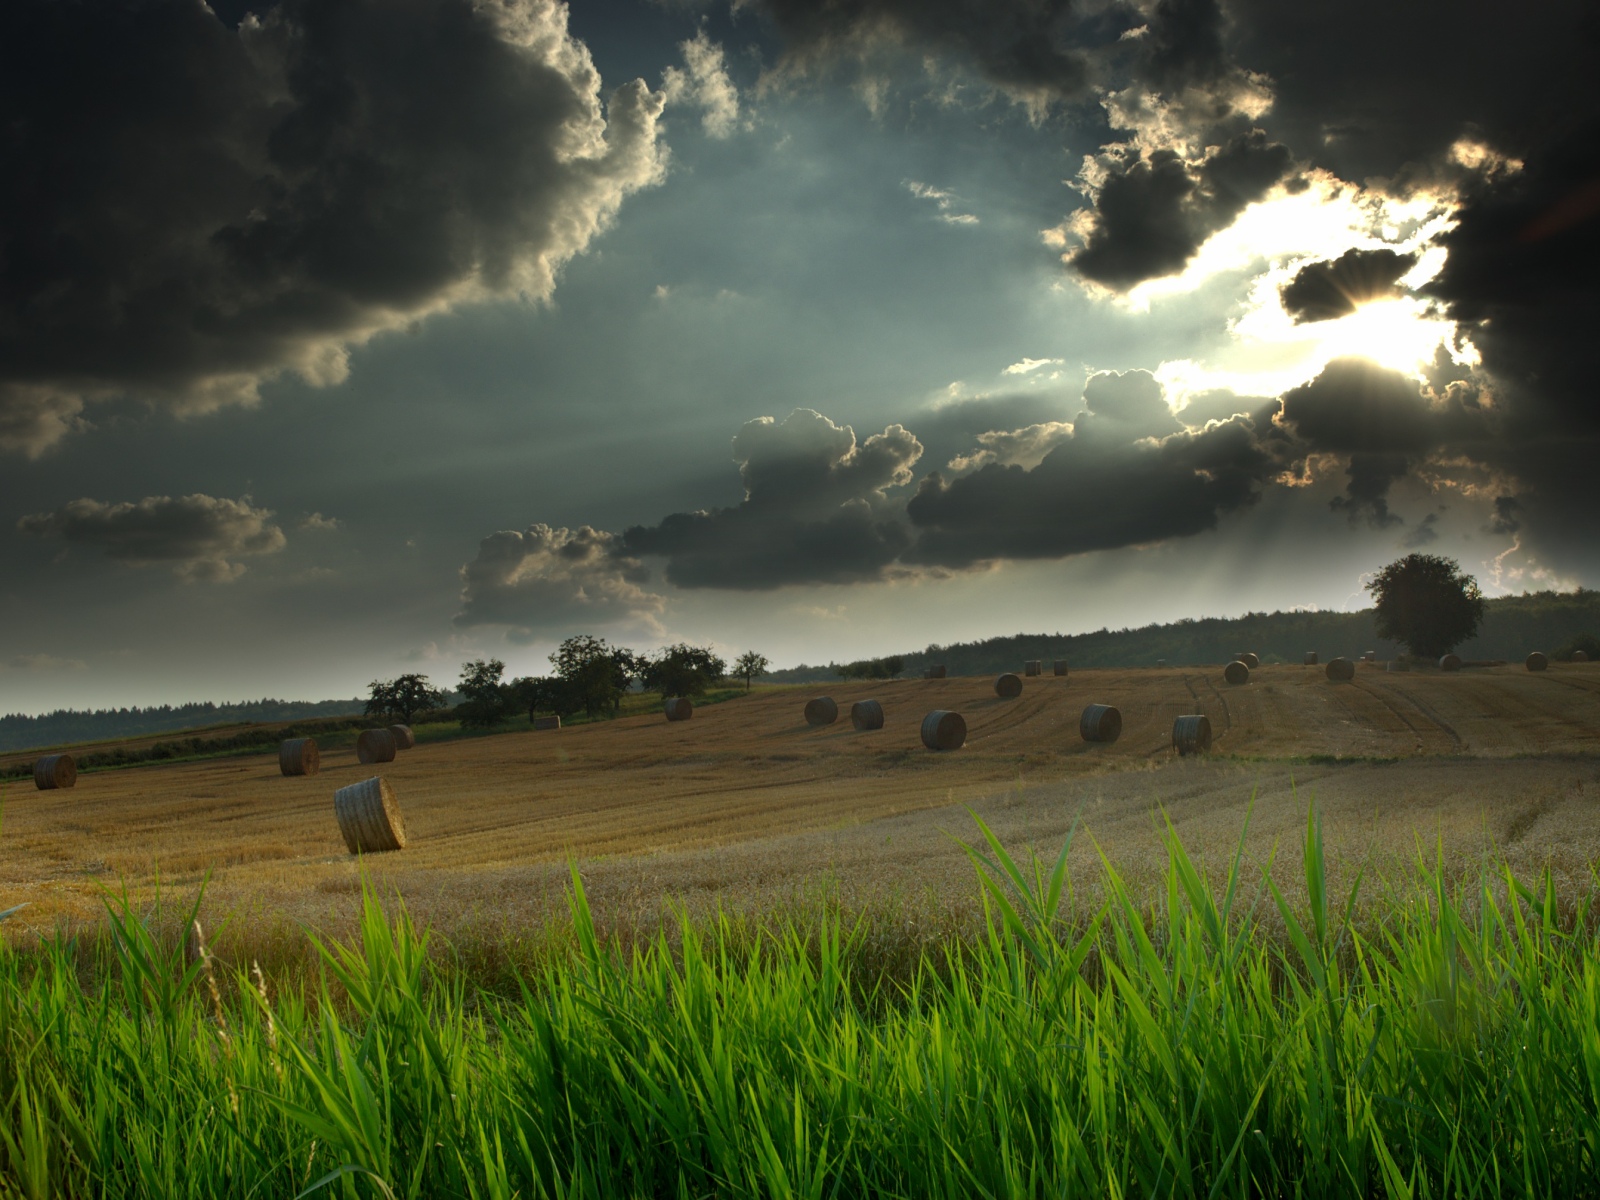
x: 1425, y: 603
x: 683, y: 670
x: 403, y: 697
x: 486, y: 701
x: 750, y: 665
x: 593, y: 675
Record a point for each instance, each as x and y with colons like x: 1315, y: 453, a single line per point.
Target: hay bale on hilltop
x: 866, y: 714
x: 1033, y: 667
x: 678, y: 708
x: 1250, y: 659
x: 1537, y: 661
x: 299, y: 756
x: 1100, y: 723
x: 943, y: 730
x: 404, y: 739
x: 1008, y: 686
x: 1161, y: 663
x: 1340, y: 670
x: 1369, y: 656
x: 1192, y: 734
x: 369, y: 817
x: 375, y: 746
x: 821, y: 710
x: 1060, y: 667
x: 1580, y: 656
x: 1450, y: 662
x: 936, y: 672
x: 55, y: 771
x: 1311, y: 658
x: 542, y: 723
x: 1236, y: 672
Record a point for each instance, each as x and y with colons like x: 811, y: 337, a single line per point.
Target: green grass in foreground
x: 1216, y: 1043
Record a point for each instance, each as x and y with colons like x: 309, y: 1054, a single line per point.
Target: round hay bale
x: 1032, y: 667
x: 1369, y: 656
x: 1008, y: 686
x: 1100, y: 723
x: 679, y: 708
x: 1311, y: 658
x: 1161, y: 662
x: 1450, y: 662
x: 821, y: 710
x: 369, y: 817
x: 1060, y: 667
x: 299, y: 756
x: 541, y: 723
x: 1236, y: 672
x: 1340, y: 670
x: 55, y: 771
x: 1580, y: 656
x: 866, y: 714
x: 1250, y: 659
x: 404, y: 739
x: 942, y: 730
x: 375, y: 746
x: 936, y: 672
x: 1537, y: 661
x: 1192, y: 734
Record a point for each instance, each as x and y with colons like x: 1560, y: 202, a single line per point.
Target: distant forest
x: 66, y: 725
x: 1512, y: 626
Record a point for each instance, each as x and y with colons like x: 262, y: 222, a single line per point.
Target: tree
x: 1424, y: 602
x: 872, y: 668
x: 683, y: 670
x: 485, y: 700
x: 403, y: 697
x: 750, y: 665
x: 593, y: 675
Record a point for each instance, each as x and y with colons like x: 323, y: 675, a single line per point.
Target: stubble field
x: 745, y: 805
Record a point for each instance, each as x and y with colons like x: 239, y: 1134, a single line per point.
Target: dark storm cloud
x: 197, y: 536
x: 1094, y: 491
x: 544, y: 579
x: 1153, y: 210
x: 1385, y: 423
x: 815, y: 510
x: 191, y: 208
x: 1323, y: 291
x: 1034, y: 49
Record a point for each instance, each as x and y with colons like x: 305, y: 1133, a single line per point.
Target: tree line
x: 589, y: 675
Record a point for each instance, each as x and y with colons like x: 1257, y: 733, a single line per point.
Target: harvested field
x: 1497, y: 756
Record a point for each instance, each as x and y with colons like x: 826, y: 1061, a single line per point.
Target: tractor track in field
x: 1439, y: 722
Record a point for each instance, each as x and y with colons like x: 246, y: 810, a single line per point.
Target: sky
x: 346, y: 338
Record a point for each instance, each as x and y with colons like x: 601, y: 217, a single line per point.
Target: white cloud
x: 943, y: 200
x: 705, y: 83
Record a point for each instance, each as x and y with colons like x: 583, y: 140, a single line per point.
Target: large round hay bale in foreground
x: 1100, y: 723
x: 404, y: 739
x: 821, y: 711
x: 1537, y: 661
x: 1450, y: 662
x: 1033, y: 667
x: 1236, y: 672
x: 375, y: 746
x: 1250, y: 659
x: 1580, y: 656
x: 1008, y: 686
x: 1340, y: 670
x: 299, y: 756
x: 943, y: 730
x: 55, y: 771
x: 369, y: 817
x: 1192, y: 734
x: 1060, y: 667
x: 866, y: 714
x: 678, y: 708
x: 1311, y: 658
